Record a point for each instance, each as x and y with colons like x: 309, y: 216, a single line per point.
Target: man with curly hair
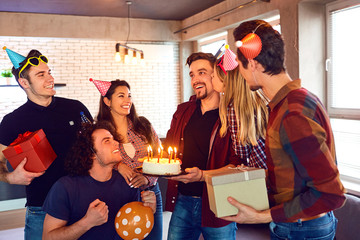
x: 84, y: 204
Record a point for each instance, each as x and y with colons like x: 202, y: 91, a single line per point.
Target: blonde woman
x: 243, y: 112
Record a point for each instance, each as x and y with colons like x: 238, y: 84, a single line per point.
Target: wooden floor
x: 12, y: 224
x: 12, y: 219
x: 12, y: 227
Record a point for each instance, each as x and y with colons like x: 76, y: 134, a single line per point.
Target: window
x: 342, y: 62
x: 274, y: 21
x: 343, y: 84
x: 213, y: 43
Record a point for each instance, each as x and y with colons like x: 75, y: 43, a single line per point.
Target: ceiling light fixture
x: 125, y: 53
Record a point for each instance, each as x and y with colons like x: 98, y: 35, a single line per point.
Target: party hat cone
x: 250, y: 46
x: 102, y: 86
x: 15, y: 58
x: 229, y: 61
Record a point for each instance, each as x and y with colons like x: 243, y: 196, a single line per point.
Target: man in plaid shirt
x: 303, y: 179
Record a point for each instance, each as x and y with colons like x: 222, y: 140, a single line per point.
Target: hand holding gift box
x: 246, y: 185
x: 33, y: 146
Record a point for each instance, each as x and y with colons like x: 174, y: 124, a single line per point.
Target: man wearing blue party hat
x: 59, y: 118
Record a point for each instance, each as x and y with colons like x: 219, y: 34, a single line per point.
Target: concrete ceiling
x: 148, y: 9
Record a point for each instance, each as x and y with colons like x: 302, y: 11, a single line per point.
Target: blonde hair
x: 251, y: 113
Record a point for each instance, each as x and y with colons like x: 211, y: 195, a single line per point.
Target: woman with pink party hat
x: 241, y: 111
x: 137, y: 134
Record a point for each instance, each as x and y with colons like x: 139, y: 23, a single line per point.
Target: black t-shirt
x: 60, y: 121
x: 197, y: 135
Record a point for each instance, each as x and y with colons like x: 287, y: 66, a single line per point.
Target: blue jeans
x: 185, y: 222
x: 156, y: 232
x: 322, y: 228
x: 34, y: 221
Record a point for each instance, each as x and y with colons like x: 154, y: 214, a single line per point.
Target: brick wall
x: 155, y: 86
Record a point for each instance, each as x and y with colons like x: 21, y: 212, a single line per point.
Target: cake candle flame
x: 148, y: 152
x: 170, y: 151
x: 175, y: 154
x: 152, y: 154
x: 158, y: 155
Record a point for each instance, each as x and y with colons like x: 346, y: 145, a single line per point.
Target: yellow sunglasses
x: 34, y: 61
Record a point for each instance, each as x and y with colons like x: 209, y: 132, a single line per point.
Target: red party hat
x: 229, y: 61
x: 250, y: 46
x: 102, y: 86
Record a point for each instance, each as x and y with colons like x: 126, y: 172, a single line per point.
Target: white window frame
x: 344, y: 113
x: 348, y: 172
x: 212, y: 39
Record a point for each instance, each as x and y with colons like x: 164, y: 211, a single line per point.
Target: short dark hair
x: 79, y: 159
x: 272, y: 53
x: 25, y: 72
x: 200, y: 55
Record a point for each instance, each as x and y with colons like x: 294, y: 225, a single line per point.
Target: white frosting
x: 161, y: 168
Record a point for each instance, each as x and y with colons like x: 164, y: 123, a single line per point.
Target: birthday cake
x: 161, y: 166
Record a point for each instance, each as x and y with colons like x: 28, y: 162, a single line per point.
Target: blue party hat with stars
x: 15, y: 58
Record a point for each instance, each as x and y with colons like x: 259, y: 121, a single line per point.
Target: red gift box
x: 35, y: 147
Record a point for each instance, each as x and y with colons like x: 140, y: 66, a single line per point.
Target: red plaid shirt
x: 254, y: 155
x: 303, y: 179
x: 140, y: 150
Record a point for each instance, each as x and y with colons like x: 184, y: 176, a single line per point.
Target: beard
x: 200, y: 95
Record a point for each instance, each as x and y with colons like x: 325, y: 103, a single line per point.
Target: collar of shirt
x: 283, y: 92
x: 39, y: 107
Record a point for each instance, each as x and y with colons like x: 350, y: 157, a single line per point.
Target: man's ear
x: 24, y: 83
x: 252, y: 64
x: 107, y: 101
x: 255, y: 65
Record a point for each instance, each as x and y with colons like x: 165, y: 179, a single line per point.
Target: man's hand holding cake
x: 194, y: 174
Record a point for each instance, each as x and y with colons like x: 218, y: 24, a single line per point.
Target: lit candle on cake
x: 148, y: 151
x: 158, y: 155
x: 152, y: 154
x: 174, y: 154
x: 170, y: 151
x: 162, y: 150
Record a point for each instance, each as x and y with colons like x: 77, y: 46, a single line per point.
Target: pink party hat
x: 250, y: 46
x: 102, y: 86
x: 15, y: 58
x: 229, y: 61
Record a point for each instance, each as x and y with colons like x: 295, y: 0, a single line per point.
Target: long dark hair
x: 79, y: 159
x: 142, y: 126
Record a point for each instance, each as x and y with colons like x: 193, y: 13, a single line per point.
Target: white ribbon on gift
x: 242, y: 168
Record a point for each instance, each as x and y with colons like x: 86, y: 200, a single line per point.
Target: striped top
x: 303, y: 179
